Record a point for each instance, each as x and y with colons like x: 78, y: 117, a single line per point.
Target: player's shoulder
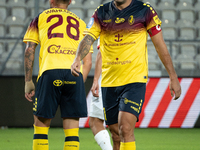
x: 106, y: 7
x: 141, y: 5
x: 145, y: 5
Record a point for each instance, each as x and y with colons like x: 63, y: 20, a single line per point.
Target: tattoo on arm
x: 85, y: 46
x: 29, y: 60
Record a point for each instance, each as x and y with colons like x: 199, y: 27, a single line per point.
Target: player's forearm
x: 164, y: 55
x: 29, y: 60
x: 84, y: 47
x: 98, y: 66
x: 87, y: 65
x: 167, y: 62
x: 86, y: 70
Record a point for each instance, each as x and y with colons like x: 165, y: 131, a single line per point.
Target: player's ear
x: 51, y: 3
x: 70, y: 2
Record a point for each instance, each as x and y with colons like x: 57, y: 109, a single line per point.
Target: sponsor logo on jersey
x: 56, y: 49
x: 119, y: 20
x: 91, y: 22
x: 117, y: 62
x: 131, y: 20
x: 107, y: 21
x: 119, y: 44
x: 57, y: 83
x: 119, y: 39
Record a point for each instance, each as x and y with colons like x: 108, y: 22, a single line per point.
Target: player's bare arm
x: 165, y: 57
x: 29, y: 60
x: 84, y: 46
x: 97, y: 73
x: 28, y: 66
x: 83, y: 50
x: 87, y: 65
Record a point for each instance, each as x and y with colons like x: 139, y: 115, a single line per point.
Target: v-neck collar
x: 124, y: 8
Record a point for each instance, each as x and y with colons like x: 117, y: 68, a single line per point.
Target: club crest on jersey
x: 131, y: 20
x: 119, y: 20
x: 91, y: 22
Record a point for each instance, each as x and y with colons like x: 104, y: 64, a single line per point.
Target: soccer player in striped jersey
x: 58, y: 31
x: 123, y: 26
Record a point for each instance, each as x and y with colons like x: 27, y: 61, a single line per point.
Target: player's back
x: 59, y: 32
x: 58, y: 25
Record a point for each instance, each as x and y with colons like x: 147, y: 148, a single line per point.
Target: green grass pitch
x: 146, y: 139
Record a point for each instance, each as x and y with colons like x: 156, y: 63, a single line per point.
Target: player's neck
x: 62, y: 6
x: 121, y: 6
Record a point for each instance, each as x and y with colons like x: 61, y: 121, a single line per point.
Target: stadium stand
x: 180, y: 25
x: 167, y: 10
x: 3, y: 10
x: 17, y: 8
x: 2, y: 28
x: 169, y: 29
x: 15, y: 26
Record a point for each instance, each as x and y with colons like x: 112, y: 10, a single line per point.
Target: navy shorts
x: 128, y: 98
x: 59, y: 87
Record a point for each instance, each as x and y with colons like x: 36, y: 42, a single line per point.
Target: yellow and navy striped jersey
x: 59, y: 32
x: 123, y: 42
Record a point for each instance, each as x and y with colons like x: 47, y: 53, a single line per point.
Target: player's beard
x: 120, y: 2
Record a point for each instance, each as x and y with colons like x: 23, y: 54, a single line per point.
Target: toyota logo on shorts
x: 57, y: 83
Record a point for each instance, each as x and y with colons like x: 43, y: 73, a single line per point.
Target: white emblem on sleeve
x: 90, y: 23
x: 158, y: 28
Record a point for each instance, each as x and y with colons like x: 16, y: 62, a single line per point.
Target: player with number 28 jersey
x: 59, y: 32
x: 50, y: 28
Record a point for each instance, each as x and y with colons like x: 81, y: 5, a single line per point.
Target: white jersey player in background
x: 96, y: 115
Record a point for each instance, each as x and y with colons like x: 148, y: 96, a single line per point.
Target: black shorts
x: 128, y: 98
x: 60, y: 87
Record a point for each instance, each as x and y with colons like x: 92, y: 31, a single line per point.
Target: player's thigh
x: 126, y: 121
x: 132, y: 98
x: 73, y: 99
x: 110, y: 105
x: 47, y: 94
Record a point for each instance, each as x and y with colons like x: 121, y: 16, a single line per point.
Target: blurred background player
x: 58, y: 31
x: 123, y: 26
x: 96, y: 116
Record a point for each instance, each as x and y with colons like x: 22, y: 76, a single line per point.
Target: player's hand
x: 75, y: 68
x: 175, y: 88
x: 95, y: 89
x: 29, y: 90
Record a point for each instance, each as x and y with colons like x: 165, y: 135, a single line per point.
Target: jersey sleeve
x: 93, y: 28
x: 153, y: 22
x: 83, y: 33
x: 32, y: 34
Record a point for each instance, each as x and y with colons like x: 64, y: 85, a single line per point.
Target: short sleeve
x: 32, y: 34
x: 93, y: 28
x: 151, y: 17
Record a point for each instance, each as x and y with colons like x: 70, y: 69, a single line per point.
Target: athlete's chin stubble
x: 119, y: 2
